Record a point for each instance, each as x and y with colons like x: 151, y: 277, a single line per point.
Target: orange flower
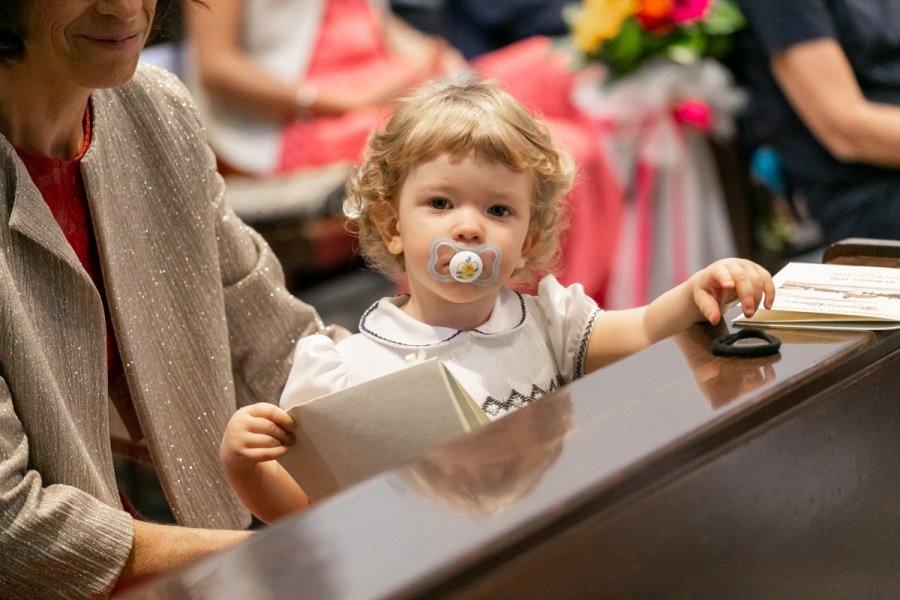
x: 655, y: 15
x: 657, y: 9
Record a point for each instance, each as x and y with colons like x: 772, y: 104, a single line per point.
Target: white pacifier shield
x: 465, y: 266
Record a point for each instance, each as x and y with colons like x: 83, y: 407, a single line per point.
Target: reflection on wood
x: 486, y: 474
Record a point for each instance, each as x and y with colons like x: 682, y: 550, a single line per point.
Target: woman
x: 125, y: 279
x: 285, y: 85
x: 262, y: 69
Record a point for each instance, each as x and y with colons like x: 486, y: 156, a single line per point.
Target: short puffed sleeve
x: 317, y: 370
x: 570, y: 315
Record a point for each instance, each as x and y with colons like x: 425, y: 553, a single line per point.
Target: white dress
x: 528, y: 347
x: 280, y: 35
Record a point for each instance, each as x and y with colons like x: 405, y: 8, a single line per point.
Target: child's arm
x: 620, y: 333
x: 255, y: 436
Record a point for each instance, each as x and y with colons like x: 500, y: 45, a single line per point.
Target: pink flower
x: 694, y: 112
x: 687, y: 11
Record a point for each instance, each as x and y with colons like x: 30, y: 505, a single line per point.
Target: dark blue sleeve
x: 780, y: 24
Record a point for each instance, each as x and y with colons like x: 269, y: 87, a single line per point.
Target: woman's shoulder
x: 151, y: 75
x: 148, y: 81
x: 152, y: 91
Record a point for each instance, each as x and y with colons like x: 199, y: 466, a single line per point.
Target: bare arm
x: 232, y: 76
x: 227, y: 72
x: 158, y: 549
x: 620, y: 333
x: 817, y: 80
x: 255, y: 437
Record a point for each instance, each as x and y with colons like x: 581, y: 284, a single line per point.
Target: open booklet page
x: 350, y: 435
x: 828, y: 296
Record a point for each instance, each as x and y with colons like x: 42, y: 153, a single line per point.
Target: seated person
x: 461, y: 194
x: 475, y: 27
x: 126, y: 281
x: 824, y: 79
x: 292, y: 84
x: 287, y: 85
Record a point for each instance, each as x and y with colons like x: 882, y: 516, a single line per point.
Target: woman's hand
x: 255, y: 434
x: 729, y: 279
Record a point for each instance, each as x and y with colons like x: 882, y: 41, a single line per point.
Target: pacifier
x: 467, y: 263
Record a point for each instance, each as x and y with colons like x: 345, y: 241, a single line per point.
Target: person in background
x: 476, y: 27
x: 288, y: 85
x: 461, y: 194
x: 127, y: 283
x: 824, y: 78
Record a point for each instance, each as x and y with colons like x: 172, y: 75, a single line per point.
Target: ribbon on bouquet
x: 653, y: 125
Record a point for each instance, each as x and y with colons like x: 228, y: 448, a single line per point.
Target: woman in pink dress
x: 285, y: 86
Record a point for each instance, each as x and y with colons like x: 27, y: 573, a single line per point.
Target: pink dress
x: 350, y: 49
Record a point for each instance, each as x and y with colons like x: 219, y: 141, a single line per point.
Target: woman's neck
x: 40, y: 118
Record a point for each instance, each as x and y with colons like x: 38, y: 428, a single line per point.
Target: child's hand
x: 256, y: 433
x: 726, y: 280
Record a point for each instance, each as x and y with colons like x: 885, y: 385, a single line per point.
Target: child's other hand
x: 256, y: 433
x: 726, y: 280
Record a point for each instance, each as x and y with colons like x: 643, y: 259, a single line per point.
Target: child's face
x: 471, y: 202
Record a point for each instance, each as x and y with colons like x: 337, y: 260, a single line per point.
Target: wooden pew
x: 674, y: 473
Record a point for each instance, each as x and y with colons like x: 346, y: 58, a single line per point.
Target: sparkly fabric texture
x: 59, y: 182
x: 203, y: 321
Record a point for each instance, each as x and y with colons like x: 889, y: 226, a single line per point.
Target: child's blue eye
x: 498, y: 211
x: 439, y: 203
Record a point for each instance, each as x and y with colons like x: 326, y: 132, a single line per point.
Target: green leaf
x: 724, y: 18
x: 626, y: 48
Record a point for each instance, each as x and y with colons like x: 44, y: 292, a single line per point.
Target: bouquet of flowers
x: 653, y: 88
x: 623, y: 34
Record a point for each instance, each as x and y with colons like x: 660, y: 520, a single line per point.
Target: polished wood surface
x: 674, y: 473
x: 855, y: 251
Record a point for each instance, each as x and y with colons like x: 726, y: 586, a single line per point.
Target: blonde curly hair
x: 462, y: 119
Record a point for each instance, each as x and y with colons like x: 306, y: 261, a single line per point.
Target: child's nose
x: 468, y: 228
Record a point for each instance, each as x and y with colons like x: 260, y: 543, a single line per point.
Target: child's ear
x: 528, y: 245
x: 388, y: 228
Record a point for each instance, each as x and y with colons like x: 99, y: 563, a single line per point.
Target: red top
x: 60, y: 183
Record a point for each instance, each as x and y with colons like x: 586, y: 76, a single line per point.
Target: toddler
x: 462, y: 195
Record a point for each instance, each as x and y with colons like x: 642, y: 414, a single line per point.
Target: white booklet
x: 830, y: 296
x: 353, y: 434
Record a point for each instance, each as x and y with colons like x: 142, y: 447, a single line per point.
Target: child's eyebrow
x: 503, y: 196
x: 441, y: 187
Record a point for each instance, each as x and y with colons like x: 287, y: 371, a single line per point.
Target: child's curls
x: 461, y: 119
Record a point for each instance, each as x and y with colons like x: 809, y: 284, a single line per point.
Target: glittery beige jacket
x: 202, y: 321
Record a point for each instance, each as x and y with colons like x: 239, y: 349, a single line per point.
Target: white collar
x: 386, y: 322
